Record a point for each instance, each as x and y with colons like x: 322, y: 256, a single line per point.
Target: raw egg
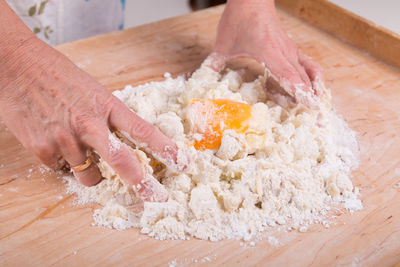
x: 211, y: 117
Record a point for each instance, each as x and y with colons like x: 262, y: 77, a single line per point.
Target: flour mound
x: 288, y: 168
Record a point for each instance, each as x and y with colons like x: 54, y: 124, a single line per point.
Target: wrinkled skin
x: 58, y: 112
x: 252, y: 28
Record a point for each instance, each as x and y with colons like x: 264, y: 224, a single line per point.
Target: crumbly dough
x: 289, y: 167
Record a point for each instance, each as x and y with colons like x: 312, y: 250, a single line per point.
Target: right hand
x: 58, y: 111
x: 252, y: 28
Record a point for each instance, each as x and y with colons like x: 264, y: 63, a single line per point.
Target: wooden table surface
x: 39, y: 225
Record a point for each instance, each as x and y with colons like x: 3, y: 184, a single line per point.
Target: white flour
x: 115, y: 144
x: 289, y: 167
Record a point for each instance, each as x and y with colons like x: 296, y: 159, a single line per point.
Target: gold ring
x: 83, y: 166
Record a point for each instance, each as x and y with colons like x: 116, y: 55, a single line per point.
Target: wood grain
x: 39, y: 225
x: 357, y: 30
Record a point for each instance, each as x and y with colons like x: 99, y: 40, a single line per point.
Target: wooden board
x: 39, y: 225
x: 357, y: 30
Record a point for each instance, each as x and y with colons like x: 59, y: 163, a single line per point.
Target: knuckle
x: 95, y: 112
x: 109, y: 102
x: 271, y: 46
x: 43, y: 150
x: 62, y: 137
x: 82, y: 123
x: 88, y: 124
x: 142, y: 130
x: 53, y: 163
x: 292, y: 51
x: 118, y: 158
x: 289, y: 72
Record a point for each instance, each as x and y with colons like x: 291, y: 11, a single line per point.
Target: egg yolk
x: 213, y: 116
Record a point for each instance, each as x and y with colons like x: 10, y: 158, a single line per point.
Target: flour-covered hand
x: 252, y: 28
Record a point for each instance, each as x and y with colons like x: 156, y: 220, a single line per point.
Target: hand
x: 58, y: 111
x: 252, y: 28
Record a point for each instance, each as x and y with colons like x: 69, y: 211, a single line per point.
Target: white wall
x: 145, y: 11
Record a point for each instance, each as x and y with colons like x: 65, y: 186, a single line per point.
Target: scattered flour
x: 288, y: 168
x: 44, y: 169
x: 273, y: 241
x: 303, y: 229
x: 30, y: 171
x: 353, y: 204
x: 172, y: 263
x: 206, y: 259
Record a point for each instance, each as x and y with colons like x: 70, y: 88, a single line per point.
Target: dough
x: 289, y: 167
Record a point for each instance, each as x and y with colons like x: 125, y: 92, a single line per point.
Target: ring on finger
x: 85, y: 165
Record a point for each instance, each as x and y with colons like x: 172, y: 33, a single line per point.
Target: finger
x: 75, y: 155
x: 56, y: 162
x: 126, y: 163
x: 313, y: 69
x: 294, y: 61
x: 144, y: 134
x: 314, y: 72
x: 47, y: 153
x: 284, y: 72
x: 291, y: 55
x: 290, y: 80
